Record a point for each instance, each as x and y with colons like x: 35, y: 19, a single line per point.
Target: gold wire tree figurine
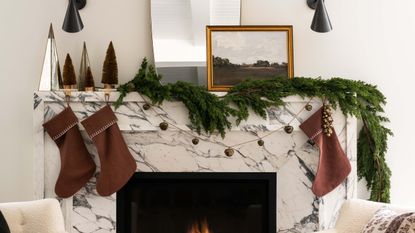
x: 69, y: 77
x: 89, y: 81
x: 110, y: 68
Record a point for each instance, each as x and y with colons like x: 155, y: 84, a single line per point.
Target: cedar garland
x: 210, y: 113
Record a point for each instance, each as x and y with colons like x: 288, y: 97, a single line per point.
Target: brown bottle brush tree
x: 69, y: 77
x: 110, y: 68
x: 89, y: 79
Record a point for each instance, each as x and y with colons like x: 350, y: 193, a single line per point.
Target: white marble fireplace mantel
x: 290, y: 156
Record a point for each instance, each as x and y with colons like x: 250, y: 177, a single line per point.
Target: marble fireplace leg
x: 331, y: 204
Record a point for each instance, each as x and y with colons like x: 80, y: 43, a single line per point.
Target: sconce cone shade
x: 73, y: 22
x: 321, y: 21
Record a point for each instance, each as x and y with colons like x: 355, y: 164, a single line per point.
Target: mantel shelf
x: 174, y: 111
x: 99, y: 96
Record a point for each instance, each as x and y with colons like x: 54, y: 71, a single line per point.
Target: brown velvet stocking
x: 334, y: 166
x: 77, y: 166
x: 117, y: 163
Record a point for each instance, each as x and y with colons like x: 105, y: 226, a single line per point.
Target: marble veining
x: 290, y: 156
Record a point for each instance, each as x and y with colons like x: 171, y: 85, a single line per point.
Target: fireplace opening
x: 198, y: 203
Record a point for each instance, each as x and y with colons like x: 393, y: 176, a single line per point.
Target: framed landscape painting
x: 238, y: 53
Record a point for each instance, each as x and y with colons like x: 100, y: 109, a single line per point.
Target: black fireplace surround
x: 158, y: 202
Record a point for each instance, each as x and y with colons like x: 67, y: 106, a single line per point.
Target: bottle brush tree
x: 89, y: 80
x: 69, y: 77
x: 110, y: 68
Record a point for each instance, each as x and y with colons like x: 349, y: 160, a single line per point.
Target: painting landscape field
x: 227, y: 73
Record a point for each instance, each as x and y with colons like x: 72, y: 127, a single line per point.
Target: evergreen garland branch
x: 210, y: 113
x: 206, y: 110
x: 371, y: 148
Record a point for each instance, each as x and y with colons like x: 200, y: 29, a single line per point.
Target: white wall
x: 373, y: 40
x: 24, y: 28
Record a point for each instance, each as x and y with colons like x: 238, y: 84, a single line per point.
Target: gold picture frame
x: 232, y: 70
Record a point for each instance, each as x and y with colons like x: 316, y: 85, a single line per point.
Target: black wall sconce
x: 73, y: 22
x: 321, y: 21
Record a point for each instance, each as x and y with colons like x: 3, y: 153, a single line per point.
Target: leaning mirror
x: 179, y: 35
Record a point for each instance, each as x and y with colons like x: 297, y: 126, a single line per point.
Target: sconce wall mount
x: 73, y: 22
x: 321, y: 21
x: 80, y: 4
x: 312, y: 4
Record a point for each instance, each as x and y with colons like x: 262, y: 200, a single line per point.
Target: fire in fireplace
x: 199, y: 226
x: 198, y: 203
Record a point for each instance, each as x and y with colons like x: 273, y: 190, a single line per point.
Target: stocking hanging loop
x: 107, y: 97
x: 67, y: 97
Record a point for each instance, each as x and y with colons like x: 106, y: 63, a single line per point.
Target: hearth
x: 159, y: 202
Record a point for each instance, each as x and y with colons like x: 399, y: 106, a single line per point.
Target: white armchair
x: 42, y: 216
x: 356, y: 213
